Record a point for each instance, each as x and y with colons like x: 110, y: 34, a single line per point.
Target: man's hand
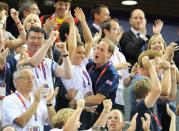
x: 23, y: 60
x: 50, y: 25
x: 3, y: 57
x: 157, y: 27
x: 69, y: 18
x: 146, y: 62
x: 79, y: 14
x: 164, y: 64
x: 50, y: 96
x: 71, y: 94
x: 123, y: 65
x: 37, y: 93
x: 61, y: 47
x: 133, y: 123
x: 107, y: 105
x: 146, y: 123
x: 142, y: 27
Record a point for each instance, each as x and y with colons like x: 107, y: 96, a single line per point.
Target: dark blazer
x: 93, y: 30
x: 132, y: 46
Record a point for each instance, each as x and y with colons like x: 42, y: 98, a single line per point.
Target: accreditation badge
x: 33, y: 128
x: 2, y: 88
x: 45, y: 90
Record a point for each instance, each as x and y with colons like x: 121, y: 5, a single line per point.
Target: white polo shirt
x: 80, y: 81
x: 43, y: 77
x: 116, y: 58
x: 12, y: 108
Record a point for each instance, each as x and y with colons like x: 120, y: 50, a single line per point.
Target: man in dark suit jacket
x: 135, y: 40
x: 99, y: 13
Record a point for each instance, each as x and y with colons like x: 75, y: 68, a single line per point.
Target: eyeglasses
x: 27, y: 77
x: 116, y: 29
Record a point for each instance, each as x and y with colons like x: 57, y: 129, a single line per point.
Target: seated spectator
x: 146, y: 93
x: 24, y: 111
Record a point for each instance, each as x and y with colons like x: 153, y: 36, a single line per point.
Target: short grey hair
x: 17, y: 73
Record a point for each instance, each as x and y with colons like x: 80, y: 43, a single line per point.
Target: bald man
x: 135, y: 40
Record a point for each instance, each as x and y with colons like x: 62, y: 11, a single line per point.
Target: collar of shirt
x: 24, y: 99
x: 100, y: 68
x: 96, y: 26
x: 135, y: 31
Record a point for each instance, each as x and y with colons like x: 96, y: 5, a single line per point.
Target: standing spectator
x: 146, y: 93
x: 112, y: 31
x: 25, y: 8
x: 135, y: 40
x: 99, y: 13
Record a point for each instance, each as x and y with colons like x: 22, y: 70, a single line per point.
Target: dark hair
x: 69, y: 1
x: 35, y: 29
x: 96, y: 9
x: 107, y: 25
x: 64, y: 29
x: 25, y: 6
x: 4, y: 6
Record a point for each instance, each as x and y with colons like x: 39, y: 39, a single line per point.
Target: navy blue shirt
x: 8, y: 76
x: 142, y: 109
x: 107, y: 84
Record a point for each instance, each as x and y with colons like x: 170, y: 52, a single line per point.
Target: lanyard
x: 86, y: 75
x: 43, y: 69
x: 102, y: 72
x: 158, y: 122
x: 20, y: 98
x: 118, y: 57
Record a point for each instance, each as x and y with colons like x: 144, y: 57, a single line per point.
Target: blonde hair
x: 61, y: 117
x: 152, y: 39
x: 29, y: 17
x: 150, y: 53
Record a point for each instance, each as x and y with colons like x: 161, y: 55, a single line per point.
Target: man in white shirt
x: 24, y: 111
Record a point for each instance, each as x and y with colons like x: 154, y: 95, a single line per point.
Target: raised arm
x: 86, y: 31
x: 105, y: 113
x: 157, y: 27
x: 41, y: 53
x: 21, y: 39
x: 73, y: 121
x: 166, y: 80
x: 64, y: 71
x: 72, y: 36
x: 155, y: 83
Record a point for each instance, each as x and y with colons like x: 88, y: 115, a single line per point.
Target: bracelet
x: 18, y: 23
x: 166, y: 68
x: 21, y: 29
x: 65, y: 55
x: 2, y: 23
x: 48, y: 104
